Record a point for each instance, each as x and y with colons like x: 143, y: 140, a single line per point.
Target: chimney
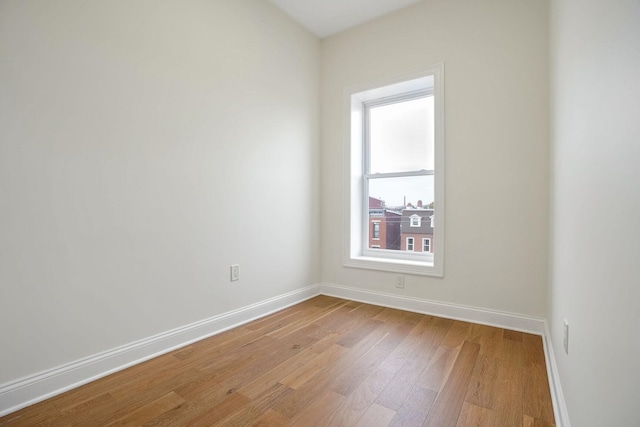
x: 420, y: 204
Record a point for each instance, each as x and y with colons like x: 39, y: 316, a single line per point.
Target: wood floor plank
x: 274, y: 376
x: 435, y: 375
x: 296, y: 401
x: 320, y: 410
x: 325, y: 301
x: 410, y: 358
x: 398, y: 389
x: 403, y: 382
x: 512, y: 335
x: 474, y: 416
x: 456, y: 335
x: 222, y: 341
x: 27, y: 417
x: 325, y: 361
x: 83, y: 410
x: 483, y: 380
x: 350, y: 379
x: 535, y: 422
x: 489, y: 338
x: 363, y: 397
x: 228, y: 407
x: 333, y: 321
x: 147, y: 372
x: 258, y: 407
x: 307, y: 371
x: 537, y: 396
x: 271, y: 418
x: 448, y: 405
x: 218, y: 388
x: 150, y: 410
x: 305, y: 306
x: 133, y: 400
x: 376, y: 416
x: 415, y: 408
x: 286, y: 368
x: 356, y: 335
x: 399, y: 324
x: 156, y: 381
x: 509, y: 385
x: 405, y: 348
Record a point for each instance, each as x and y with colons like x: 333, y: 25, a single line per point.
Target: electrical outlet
x: 235, y: 272
x: 565, y: 338
x: 400, y: 282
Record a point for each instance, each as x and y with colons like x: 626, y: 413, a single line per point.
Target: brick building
x: 417, y: 229
x: 384, y: 226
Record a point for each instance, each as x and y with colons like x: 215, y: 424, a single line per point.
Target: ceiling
x: 326, y: 17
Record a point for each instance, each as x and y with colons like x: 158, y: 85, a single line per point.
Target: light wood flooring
x: 326, y: 362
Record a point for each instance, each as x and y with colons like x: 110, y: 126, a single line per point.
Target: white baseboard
x: 516, y: 322
x: 35, y: 388
x: 557, y: 397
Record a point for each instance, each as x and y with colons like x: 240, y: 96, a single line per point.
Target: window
x: 396, y: 159
x: 376, y: 230
x: 426, y: 245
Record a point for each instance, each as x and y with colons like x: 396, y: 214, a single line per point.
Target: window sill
x: 421, y: 268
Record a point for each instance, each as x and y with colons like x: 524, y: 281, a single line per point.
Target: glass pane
x: 401, y: 136
x: 401, y: 210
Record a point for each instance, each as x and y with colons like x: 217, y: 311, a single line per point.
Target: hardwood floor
x: 326, y: 362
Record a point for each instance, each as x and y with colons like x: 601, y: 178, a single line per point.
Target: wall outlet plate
x: 235, y: 272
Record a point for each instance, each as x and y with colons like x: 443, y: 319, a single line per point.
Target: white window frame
x: 418, y: 221
x: 425, y: 240
x: 411, y: 243
x: 373, y: 237
x: 356, y: 251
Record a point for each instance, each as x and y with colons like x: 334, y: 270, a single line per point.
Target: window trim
x: 418, y: 219
x: 412, y: 244
x: 354, y: 255
x: 425, y: 240
x: 373, y: 232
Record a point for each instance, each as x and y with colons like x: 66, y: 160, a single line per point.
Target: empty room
x: 320, y: 212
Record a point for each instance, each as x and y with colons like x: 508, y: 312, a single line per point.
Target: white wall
x: 144, y: 147
x: 595, y: 280
x: 495, y: 54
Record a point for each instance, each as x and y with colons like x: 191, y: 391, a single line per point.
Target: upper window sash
x: 366, y: 132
